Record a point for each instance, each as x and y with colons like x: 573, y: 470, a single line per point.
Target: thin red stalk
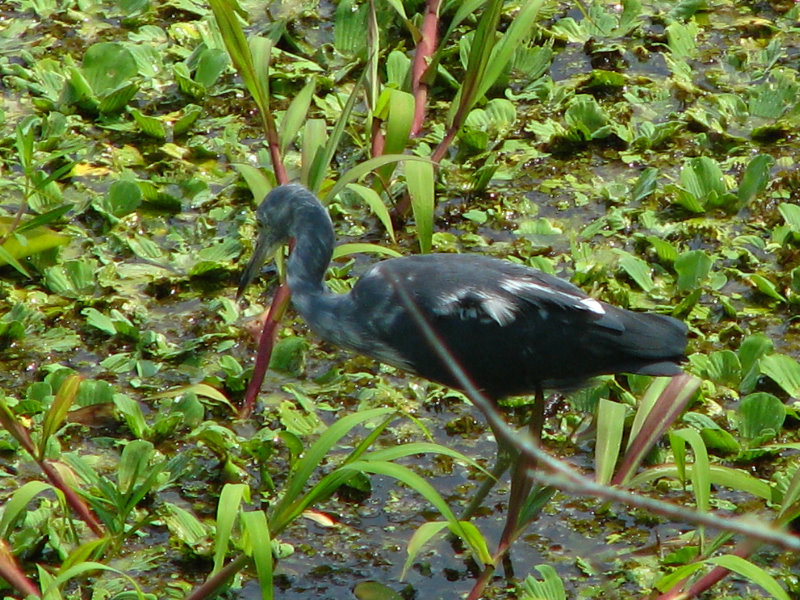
x: 215, y: 583
x: 274, y: 145
x: 429, y: 36
x: 441, y: 149
x: 265, y: 344
x: 377, y: 138
x: 717, y: 574
x: 13, y: 575
x: 73, y: 499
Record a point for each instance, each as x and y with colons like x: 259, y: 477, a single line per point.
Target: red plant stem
x: 13, y: 575
x: 75, y: 502
x: 265, y: 344
x: 429, y: 35
x: 377, y: 138
x: 216, y: 582
x: 717, y: 574
x: 274, y: 145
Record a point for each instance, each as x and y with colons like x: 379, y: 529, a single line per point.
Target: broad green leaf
x: 259, y: 184
x: 702, y: 177
x: 791, y: 214
x: 636, y: 268
x: 357, y: 248
x: 755, y: 178
x: 754, y: 573
x: 692, y: 268
x: 55, y: 415
x: 610, y: 427
x: 296, y: 115
x: 258, y: 544
x: 765, y: 286
x: 549, y: 588
x: 108, y: 66
x: 228, y: 508
x: 374, y: 590
x: 14, y: 506
x: 420, y: 183
x: 376, y: 205
x: 133, y: 464
x: 761, y: 417
x: 183, y: 524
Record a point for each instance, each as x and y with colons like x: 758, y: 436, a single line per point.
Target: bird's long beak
x: 262, y: 251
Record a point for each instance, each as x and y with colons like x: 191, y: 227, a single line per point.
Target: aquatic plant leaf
x: 134, y: 464
x: 750, y: 571
x: 636, y: 268
x: 27, y: 241
x: 702, y: 177
x: 211, y: 64
x: 55, y: 415
x: 783, y: 370
x: 184, y: 525
x: 761, y: 416
x: 258, y: 183
x: 374, y: 590
x: 755, y: 178
x: 108, y: 66
x: 258, y: 545
x: 790, y: 214
x: 376, y: 205
x: 692, y: 268
x: 356, y: 248
x: 550, y: 587
x: 610, y: 427
x: 151, y: 126
x: 420, y: 183
x: 765, y: 286
x: 750, y: 352
x: 296, y: 115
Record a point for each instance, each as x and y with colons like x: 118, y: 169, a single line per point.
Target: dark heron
x: 512, y: 329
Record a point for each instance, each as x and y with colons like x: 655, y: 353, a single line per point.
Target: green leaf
x: 108, y: 66
x: 765, y: 286
x: 755, y: 178
x: 296, y: 115
x: 258, y: 544
x: 420, y: 183
x: 133, y: 464
x: 636, y: 268
x: 375, y: 204
x: 761, y: 417
x: 754, y: 573
x: 784, y: 371
x: 374, y: 590
x: 55, y: 415
x: 357, y: 248
x: 228, y: 507
x: 610, y: 427
x: 702, y: 177
x: 692, y: 268
x: 549, y: 588
x: 791, y: 214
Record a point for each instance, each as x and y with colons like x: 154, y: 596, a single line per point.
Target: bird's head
x: 274, y: 218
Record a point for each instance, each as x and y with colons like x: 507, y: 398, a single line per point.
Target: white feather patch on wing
x: 470, y: 303
x: 517, y: 286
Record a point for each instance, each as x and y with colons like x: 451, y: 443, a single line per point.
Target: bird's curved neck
x: 313, y: 246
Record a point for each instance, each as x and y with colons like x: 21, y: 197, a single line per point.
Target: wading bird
x: 512, y: 329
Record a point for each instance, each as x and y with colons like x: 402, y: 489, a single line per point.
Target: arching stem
x: 265, y: 345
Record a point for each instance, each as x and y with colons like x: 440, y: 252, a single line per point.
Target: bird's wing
x: 546, y: 292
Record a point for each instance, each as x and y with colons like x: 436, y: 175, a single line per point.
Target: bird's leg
x: 505, y: 457
x: 522, y: 477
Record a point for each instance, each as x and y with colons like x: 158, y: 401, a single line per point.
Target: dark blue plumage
x: 513, y: 329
